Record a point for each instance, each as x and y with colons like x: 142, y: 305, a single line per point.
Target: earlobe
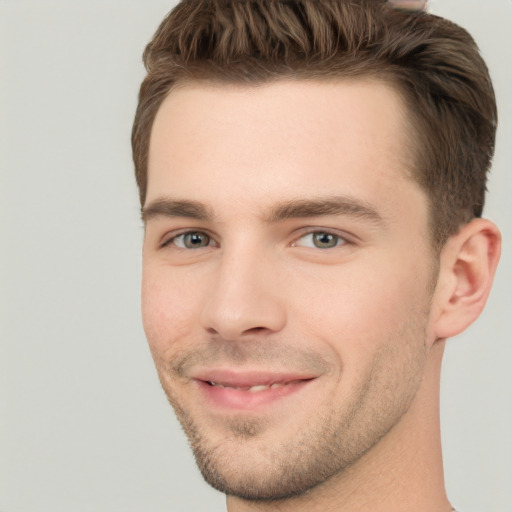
x: 467, y: 267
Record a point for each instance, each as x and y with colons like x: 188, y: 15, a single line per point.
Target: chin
x: 246, y: 476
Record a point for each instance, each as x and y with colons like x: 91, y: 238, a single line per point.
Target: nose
x: 245, y: 298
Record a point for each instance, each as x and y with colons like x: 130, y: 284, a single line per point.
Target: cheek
x: 168, y: 314
x: 358, y: 309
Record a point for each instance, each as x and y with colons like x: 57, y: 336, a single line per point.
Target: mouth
x: 256, y: 388
x: 233, y: 391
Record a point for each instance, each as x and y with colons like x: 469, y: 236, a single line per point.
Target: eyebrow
x: 296, y: 208
x: 165, y: 207
x: 324, y: 206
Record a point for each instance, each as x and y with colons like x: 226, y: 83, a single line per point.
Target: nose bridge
x: 244, y: 296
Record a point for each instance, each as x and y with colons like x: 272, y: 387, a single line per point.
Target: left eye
x: 191, y: 240
x: 320, y: 240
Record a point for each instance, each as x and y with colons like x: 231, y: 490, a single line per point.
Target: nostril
x: 255, y: 330
x: 252, y: 330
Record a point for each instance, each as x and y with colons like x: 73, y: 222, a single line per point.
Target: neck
x: 402, y: 472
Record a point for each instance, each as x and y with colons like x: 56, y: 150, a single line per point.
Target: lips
x: 248, y: 390
x: 257, y: 387
x: 252, y: 389
x: 245, y: 379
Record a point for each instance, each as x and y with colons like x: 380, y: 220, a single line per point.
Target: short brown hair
x: 433, y: 63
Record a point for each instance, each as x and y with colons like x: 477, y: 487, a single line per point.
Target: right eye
x: 320, y: 240
x: 191, y: 240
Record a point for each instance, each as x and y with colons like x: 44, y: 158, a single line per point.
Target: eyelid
x: 169, y: 237
x: 344, y: 236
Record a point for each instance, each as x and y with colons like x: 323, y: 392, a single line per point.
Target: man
x: 312, y: 177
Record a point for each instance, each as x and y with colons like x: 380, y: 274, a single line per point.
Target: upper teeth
x: 258, y: 387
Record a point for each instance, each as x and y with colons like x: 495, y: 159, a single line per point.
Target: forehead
x: 279, y: 141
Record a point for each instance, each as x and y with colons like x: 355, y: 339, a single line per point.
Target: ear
x: 468, y: 263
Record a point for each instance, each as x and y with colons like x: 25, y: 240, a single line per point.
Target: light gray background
x: 84, y: 426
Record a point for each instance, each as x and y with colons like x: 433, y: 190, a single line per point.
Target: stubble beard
x: 248, y: 464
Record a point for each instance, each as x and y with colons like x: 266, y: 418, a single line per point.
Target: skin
x: 285, y: 242
x: 410, y: 5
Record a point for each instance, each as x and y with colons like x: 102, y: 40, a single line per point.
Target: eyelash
x: 340, y: 239
x: 172, y: 240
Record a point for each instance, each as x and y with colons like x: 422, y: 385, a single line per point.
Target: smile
x: 250, y: 391
x: 257, y: 387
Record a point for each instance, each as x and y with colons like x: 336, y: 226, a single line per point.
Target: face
x: 287, y: 277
